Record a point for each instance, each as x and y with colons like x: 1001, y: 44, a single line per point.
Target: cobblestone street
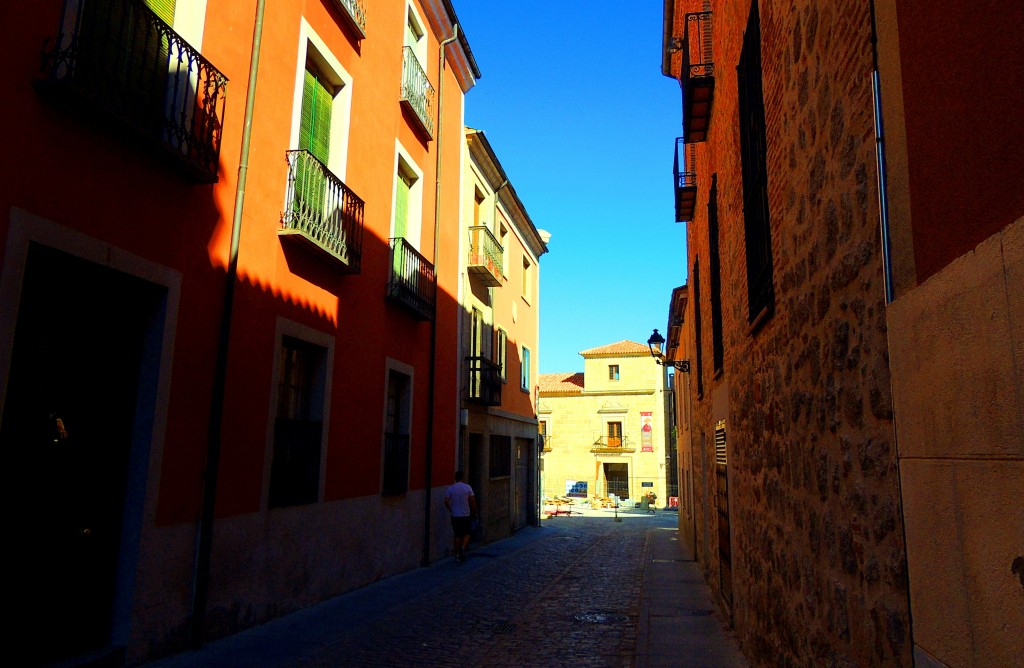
x: 570, y: 593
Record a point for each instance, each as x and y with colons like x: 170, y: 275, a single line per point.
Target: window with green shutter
x: 315, y: 137
x: 164, y: 9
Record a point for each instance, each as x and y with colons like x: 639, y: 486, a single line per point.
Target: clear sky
x: 572, y: 99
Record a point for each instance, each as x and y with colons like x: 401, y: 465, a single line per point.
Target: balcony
x: 686, y: 183
x: 607, y: 445
x: 484, y: 381
x: 120, y: 62
x: 417, y: 93
x: 485, y: 256
x: 546, y: 442
x: 322, y: 213
x: 412, y: 282
x: 356, y: 15
x: 697, y: 77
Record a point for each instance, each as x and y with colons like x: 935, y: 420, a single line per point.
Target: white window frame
x: 404, y: 161
x: 525, y: 372
x: 294, y: 330
x: 313, y: 47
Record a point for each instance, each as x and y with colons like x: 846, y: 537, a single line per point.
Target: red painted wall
x: 963, y: 79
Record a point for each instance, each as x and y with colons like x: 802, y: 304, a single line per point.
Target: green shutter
x: 315, y: 125
x: 164, y: 9
x: 315, y: 137
x: 402, y: 206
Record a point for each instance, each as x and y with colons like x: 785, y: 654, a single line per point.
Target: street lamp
x: 655, y: 343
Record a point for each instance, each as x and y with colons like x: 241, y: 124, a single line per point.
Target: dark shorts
x: 462, y: 526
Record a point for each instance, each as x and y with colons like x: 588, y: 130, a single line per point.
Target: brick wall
x: 818, y: 565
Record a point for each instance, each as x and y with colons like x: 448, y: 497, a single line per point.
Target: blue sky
x: 573, y: 101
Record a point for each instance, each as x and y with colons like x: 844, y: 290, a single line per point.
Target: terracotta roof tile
x: 625, y: 347
x: 561, y: 383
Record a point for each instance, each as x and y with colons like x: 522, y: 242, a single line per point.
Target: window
x: 717, y: 345
x: 614, y: 434
x: 697, y: 327
x: 524, y: 371
x: 503, y: 240
x: 298, y: 426
x: 501, y: 456
x: 414, y: 35
x: 501, y: 353
x: 322, y: 103
x: 408, y: 201
x: 753, y: 156
x: 396, y: 433
x: 542, y: 434
x: 527, y: 279
x: 613, y: 372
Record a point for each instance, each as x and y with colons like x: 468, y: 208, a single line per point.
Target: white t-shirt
x: 458, y: 494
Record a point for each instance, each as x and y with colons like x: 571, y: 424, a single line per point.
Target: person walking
x: 461, y: 504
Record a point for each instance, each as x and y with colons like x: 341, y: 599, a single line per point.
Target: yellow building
x: 499, y: 341
x: 605, y: 430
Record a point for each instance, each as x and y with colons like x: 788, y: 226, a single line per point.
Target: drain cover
x: 504, y: 627
x: 602, y: 617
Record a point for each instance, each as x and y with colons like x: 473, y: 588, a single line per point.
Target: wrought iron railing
x: 416, y: 90
x: 697, y: 76
x: 121, y: 58
x: 322, y: 210
x: 412, y: 282
x: 396, y: 464
x: 685, y: 183
x: 698, y: 59
x: 612, y: 444
x: 484, y: 381
x: 486, y: 254
x: 354, y: 10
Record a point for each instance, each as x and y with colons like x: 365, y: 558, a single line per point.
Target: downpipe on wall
x: 429, y: 455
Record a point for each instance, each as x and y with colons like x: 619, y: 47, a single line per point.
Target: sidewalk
x: 514, y: 602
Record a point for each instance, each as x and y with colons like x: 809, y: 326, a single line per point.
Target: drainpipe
x: 204, y: 530
x: 883, y: 195
x: 883, y: 214
x: 429, y: 468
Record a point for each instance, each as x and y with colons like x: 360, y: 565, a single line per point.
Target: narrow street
x: 582, y: 591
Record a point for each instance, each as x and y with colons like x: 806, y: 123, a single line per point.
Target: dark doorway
x: 617, y: 480
x: 722, y: 502
x: 66, y: 437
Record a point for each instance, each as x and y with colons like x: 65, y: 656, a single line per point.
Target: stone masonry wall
x: 818, y: 561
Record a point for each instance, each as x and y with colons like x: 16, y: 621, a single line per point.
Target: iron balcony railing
x: 609, y: 445
x: 120, y: 58
x: 353, y: 9
x: 698, y: 76
x: 485, y: 256
x: 417, y: 93
x: 412, y: 282
x: 396, y: 464
x: 484, y: 381
x: 546, y: 442
x: 685, y: 183
x: 322, y: 211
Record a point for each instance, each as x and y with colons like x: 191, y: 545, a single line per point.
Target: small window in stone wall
x: 613, y: 372
x: 501, y: 456
x: 753, y: 157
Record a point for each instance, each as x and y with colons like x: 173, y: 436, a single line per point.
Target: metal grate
x: 602, y: 617
x: 504, y: 626
x: 720, y: 451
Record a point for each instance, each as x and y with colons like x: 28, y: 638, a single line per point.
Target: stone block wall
x: 818, y: 562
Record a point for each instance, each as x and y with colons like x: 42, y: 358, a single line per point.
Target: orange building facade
x: 230, y: 320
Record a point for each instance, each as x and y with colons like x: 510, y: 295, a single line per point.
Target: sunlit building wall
x: 606, y: 429
x: 233, y: 393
